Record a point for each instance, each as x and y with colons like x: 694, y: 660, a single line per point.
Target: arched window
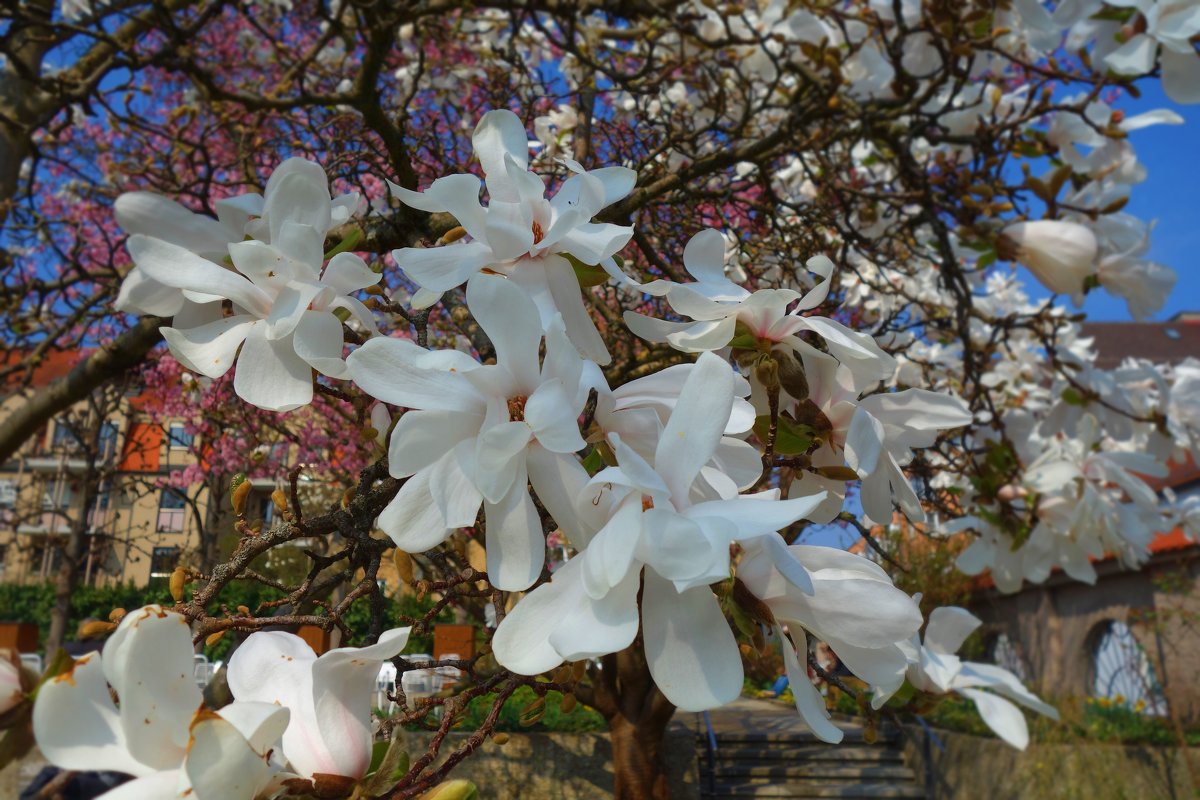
x: 1122, y: 671
x: 1006, y: 652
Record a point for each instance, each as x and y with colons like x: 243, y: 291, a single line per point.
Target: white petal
x: 452, y: 487
x: 342, y: 684
x: 554, y: 418
x: 347, y: 273
x: 690, y: 650
x: 509, y: 230
x: 173, y: 266
x: 596, y: 627
x: 457, y: 195
x: 154, y: 215
x: 77, y: 725
x: 148, y: 662
x: 412, y: 519
x: 559, y: 480
x: 387, y: 369
x: 260, y: 724
x: 809, y: 701
x: 1181, y: 76
x: 221, y: 764
x: 511, y: 321
x: 696, y: 424
x: 948, y: 628
x: 701, y: 336
x: 158, y: 786
x: 270, y: 375
x: 440, y: 269
x: 496, y: 450
x: 141, y: 294
x: 522, y: 641
x: 516, y: 548
x: 704, y: 256
x: 210, y: 349
x: 568, y: 299
x: 1005, y: 719
x: 1135, y: 57
x: 304, y: 246
x: 422, y: 437
x: 298, y: 191
x: 500, y: 133
x: 318, y: 340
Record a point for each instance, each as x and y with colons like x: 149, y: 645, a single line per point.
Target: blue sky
x: 1171, y: 195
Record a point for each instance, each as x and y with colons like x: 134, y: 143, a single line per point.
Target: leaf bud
x: 452, y: 790
x: 178, y: 580
x: 95, y: 629
x: 533, y: 712
x: 279, y: 499
x: 500, y: 738
x: 213, y: 638
x: 239, y: 495
x: 116, y: 614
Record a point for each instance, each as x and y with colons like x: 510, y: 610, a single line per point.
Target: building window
x: 177, y: 436
x: 64, y: 438
x: 1121, y: 672
x: 163, y: 561
x: 1005, y: 652
x: 172, y: 510
x: 108, y: 441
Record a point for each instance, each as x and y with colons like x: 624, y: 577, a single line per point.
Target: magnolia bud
x: 179, y: 579
x: 500, y: 738
x: 1060, y: 254
x: 452, y: 790
x: 533, y: 712
x: 404, y: 565
x: 213, y: 638
x: 116, y: 614
x: 239, y: 494
x: 569, y: 702
x: 279, y: 499
x: 95, y: 629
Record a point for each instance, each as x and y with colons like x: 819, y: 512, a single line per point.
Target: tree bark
x: 637, y: 714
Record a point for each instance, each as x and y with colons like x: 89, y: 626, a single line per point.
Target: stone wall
x: 562, y: 766
x: 973, y: 767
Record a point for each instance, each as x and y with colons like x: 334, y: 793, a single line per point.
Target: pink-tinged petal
x: 516, y: 548
x: 500, y: 133
x: 153, y: 215
x: 696, y: 425
x: 77, y: 726
x: 690, y: 650
x: 347, y: 273
x: 148, y: 662
x: 182, y: 269
x: 1005, y: 719
x: 343, y: 680
x: 809, y: 701
x: 210, y: 349
x: 522, y: 641
x: 140, y: 294
x: 689, y: 301
x: 422, y: 437
x: 221, y: 763
x: 412, y: 519
x: 440, y: 269
x: 496, y: 450
x: 512, y: 323
x: 399, y: 372
x: 270, y: 375
x: 457, y: 195
x: 757, y: 515
x: 277, y: 667
x: 318, y: 340
x: 568, y: 299
x: 554, y: 417
x: 948, y: 628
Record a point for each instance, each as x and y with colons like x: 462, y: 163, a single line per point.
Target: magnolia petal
x: 509, y: 229
x: 148, y: 662
x: 318, y: 341
x: 690, y: 650
x: 1181, y: 75
x: 297, y: 192
x: 341, y: 681
x: 210, y: 349
x: 704, y: 257
x: 496, y: 450
x: 422, y: 437
x: 1003, y: 682
x: 599, y: 626
x: 173, y: 266
x: 695, y: 426
x: 609, y: 556
x: 1135, y: 57
x: 558, y: 480
x: 452, y: 487
x: 270, y: 375
x: 221, y: 764
x: 154, y: 215
x: 701, y: 336
x: 948, y: 628
x: 554, y: 418
x: 653, y: 329
x: 516, y: 549
x: 500, y: 133
x: 512, y: 324
x: 260, y: 724
x: 809, y: 701
x: 347, y: 272
x: 440, y: 269
x: 77, y: 726
x: 522, y: 641
x: 457, y: 195
x: 568, y: 299
x: 140, y: 294
x: 391, y: 370
x: 158, y: 786
x: 412, y: 520
x: 1005, y: 719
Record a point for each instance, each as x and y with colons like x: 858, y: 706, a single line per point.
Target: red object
x: 316, y: 638
x: 143, y: 448
x: 19, y: 636
x: 455, y: 640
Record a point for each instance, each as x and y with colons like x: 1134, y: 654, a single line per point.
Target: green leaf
x: 791, y: 438
x: 744, y: 341
x: 588, y: 275
x: 1071, y: 396
x: 1115, y: 14
x: 594, y: 461
x: 836, y: 473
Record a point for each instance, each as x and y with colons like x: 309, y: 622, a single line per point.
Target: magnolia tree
x: 661, y: 285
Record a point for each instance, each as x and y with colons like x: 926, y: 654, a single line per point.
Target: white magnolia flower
x: 1061, y: 255
x: 283, y: 303
x: 657, y: 538
x: 478, y: 434
x: 1170, y: 26
x: 297, y: 191
x: 161, y: 733
x: 883, y: 433
x: 329, y: 697
x: 933, y: 668
x: 722, y: 310
x: 520, y: 233
x: 851, y: 605
x: 1124, y: 271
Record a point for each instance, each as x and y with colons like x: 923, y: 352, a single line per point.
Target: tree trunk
x: 64, y: 584
x: 639, y: 760
x: 637, y: 714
